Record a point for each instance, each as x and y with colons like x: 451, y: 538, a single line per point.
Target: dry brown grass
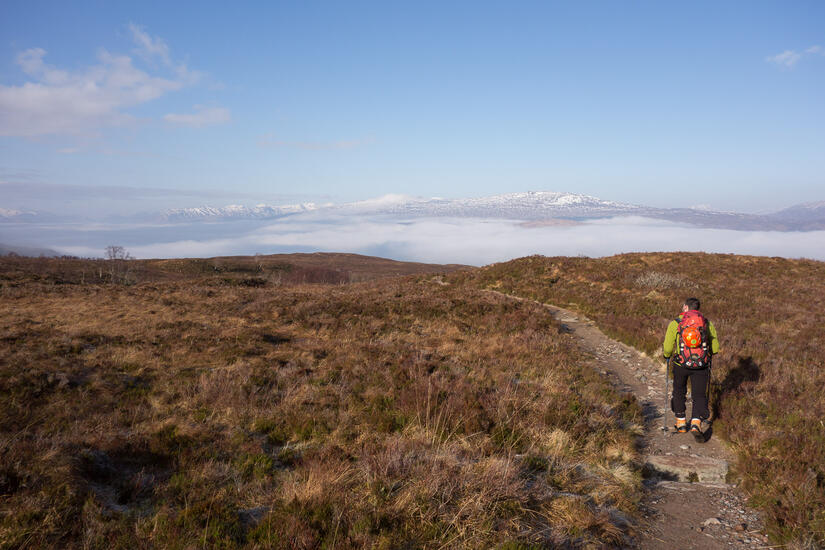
x: 767, y: 391
x: 188, y: 412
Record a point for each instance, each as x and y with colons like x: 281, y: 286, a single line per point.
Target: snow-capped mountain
x: 528, y: 206
x: 531, y: 205
x: 544, y: 205
x: 235, y: 212
x: 519, y: 206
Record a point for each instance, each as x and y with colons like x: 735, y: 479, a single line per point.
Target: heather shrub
x: 187, y: 411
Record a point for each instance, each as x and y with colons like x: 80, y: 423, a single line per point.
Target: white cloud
x: 788, y: 58
x: 468, y: 241
x: 203, y: 116
x: 57, y: 101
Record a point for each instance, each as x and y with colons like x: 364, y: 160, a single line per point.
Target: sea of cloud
x: 436, y: 240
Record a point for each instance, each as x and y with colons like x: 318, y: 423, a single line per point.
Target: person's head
x: 691, y: 304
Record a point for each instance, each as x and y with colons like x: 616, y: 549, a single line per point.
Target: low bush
x: 180, y: 412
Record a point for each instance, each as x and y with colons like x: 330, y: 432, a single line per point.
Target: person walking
x: 690, y: 343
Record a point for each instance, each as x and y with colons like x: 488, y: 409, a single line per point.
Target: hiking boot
x: 696, y: 428
x: 681, y: 425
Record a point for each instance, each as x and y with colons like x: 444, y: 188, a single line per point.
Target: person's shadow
x: 746, y: 370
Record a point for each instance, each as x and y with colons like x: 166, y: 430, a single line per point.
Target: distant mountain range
x: 235, y: 212
x: 532, y: 206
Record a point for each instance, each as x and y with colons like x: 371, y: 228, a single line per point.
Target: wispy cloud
x: 154, y: 48
x: 789, y: 58
x: 63, y: 102
x: 149, y: 47
x: 270, y: 140
x: 203, y: 116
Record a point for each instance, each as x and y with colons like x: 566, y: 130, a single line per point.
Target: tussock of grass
x: 182, y: 412
x: 661, y: 280
x: 767, y: 383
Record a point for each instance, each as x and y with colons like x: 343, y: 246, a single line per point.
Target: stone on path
x: 686, y: 468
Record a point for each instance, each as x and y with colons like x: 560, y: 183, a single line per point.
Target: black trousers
x: 699, y: 381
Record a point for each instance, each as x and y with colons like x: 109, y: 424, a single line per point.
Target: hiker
x: 690, y: 343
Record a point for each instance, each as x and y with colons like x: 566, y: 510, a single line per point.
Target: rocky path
x: 689, y: 504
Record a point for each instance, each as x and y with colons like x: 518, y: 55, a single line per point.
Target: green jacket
x: 669, y: 346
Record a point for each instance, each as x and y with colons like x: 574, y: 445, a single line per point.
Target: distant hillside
x: 31, y: 251
x: 356, y: 266
x: 273, y: 269
x: 804, y: 217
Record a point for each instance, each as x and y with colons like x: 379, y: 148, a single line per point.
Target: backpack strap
x: 677, y: 354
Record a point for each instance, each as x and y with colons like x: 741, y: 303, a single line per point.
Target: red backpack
x: 693, y: 340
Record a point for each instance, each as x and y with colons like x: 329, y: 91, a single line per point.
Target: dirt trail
x: 704, y: 513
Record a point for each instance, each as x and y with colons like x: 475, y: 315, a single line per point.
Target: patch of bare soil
x: 689, y: 503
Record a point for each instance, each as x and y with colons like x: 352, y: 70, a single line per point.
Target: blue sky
x: 667, y: 104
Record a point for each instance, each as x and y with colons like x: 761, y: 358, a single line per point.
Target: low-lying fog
x: 436, y: 240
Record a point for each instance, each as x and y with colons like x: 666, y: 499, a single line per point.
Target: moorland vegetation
x: 767, y: 384
x: 278, y: 402
x: 236, y: 403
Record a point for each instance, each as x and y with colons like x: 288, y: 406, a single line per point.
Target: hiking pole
x: 667, y: 389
